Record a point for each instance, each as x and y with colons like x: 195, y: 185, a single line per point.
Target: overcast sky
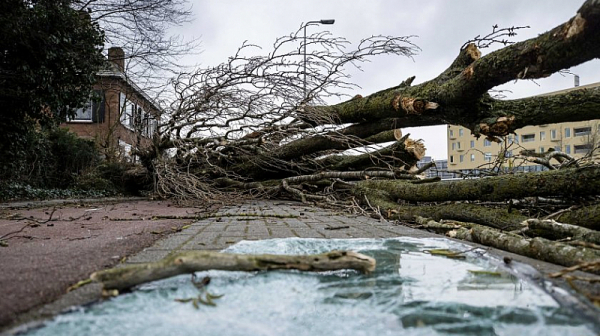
x: 440, y: 28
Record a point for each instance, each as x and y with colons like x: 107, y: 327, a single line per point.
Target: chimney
x: 116, y: 55
x: 576, y: 79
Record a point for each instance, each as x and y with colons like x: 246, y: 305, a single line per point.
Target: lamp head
x: 328, y: 22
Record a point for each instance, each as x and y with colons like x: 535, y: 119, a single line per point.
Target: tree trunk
x: 557, y: 231
x: 586, y: 216
x: 537, y: 248
x: 566, y: 182
x: 500, y: 218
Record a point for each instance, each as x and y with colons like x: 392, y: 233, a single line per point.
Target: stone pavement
x: 257, y: 220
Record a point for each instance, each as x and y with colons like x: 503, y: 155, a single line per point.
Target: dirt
x: 47, y: 248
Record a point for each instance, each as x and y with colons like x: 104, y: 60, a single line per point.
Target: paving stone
x: 227, y: 241
x: 201, y: 246
x: 281, y: 233
x: 172, y: 242
x: 334, y: 234
x: 308, y: 233
x: 257, y: 231
x: 147, y: 256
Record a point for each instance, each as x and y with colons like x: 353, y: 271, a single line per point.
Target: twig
x: 560, y: 212
x: 582, y: 266
x: 13, y: 232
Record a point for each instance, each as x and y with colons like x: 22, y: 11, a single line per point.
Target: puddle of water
x: 410, y: 293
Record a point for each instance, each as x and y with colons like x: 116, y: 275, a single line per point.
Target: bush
x: 49, y: 159
x: 57, y: 164
x: 15, y: 191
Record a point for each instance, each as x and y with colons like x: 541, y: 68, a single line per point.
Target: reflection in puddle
x: 410, y: 293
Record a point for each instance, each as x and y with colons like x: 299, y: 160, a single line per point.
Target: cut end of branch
x: 473, y: 52
x: 416, y: 148
x: 575, y: 27
x: 500, y: 127
x: 412, y: 105
x: 397, y: 134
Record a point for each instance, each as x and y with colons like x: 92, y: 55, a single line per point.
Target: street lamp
x: 326, y: 22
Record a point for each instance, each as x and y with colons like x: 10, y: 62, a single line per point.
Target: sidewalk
x: 271, y: 219
x: 252, y: 221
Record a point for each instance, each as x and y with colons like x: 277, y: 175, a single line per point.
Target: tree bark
x: 403, y: 154
x: 538, y: 248
x: 500, y: 218
x: 586, y: 216
x: 123, y: 278
x: 555, y: 230
x: 565, y: 182
x: 347, y: 138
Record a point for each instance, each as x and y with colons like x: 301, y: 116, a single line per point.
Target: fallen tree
x: 258, y: 126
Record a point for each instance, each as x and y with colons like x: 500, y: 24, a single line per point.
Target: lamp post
x: 327, y: 22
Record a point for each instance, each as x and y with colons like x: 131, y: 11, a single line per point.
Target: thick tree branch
x: 566, y: 182
x: 194, y: 261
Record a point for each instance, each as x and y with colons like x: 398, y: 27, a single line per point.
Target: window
x: 472, y: 143
x: 460, y: 132
x: 508, y: 154
x: 567, y: 132
x: 472, y: 157
x: 568, y: 149
x: 487, y: 157
x: 135, y: 118
x: 150, y: 125
x: 542, y: 149
x: 125, y: 112
x: 582, y: 149
x: 461, y: 158
x: 487, y: 143
x: 83, y: 113
x: 454, y: 146
x: 458, y: 145
x: 542, y: 135
x: 582, y: 131
x: 527, y: 137
x: 516, y: 138
x: 451, y: 158
x: 553, y: 134
x: 451, y: 132
x: 557, y: 148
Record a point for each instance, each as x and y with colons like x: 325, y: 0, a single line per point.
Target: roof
x: 112, y: 71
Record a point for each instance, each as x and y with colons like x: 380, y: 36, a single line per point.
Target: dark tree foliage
x: 49, y: 54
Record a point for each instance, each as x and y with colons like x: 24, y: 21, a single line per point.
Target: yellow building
x: 469, y: 155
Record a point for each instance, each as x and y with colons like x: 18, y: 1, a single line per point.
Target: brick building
x: 119, y: 116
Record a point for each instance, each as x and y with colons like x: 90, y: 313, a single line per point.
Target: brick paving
x: 271, y: 219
